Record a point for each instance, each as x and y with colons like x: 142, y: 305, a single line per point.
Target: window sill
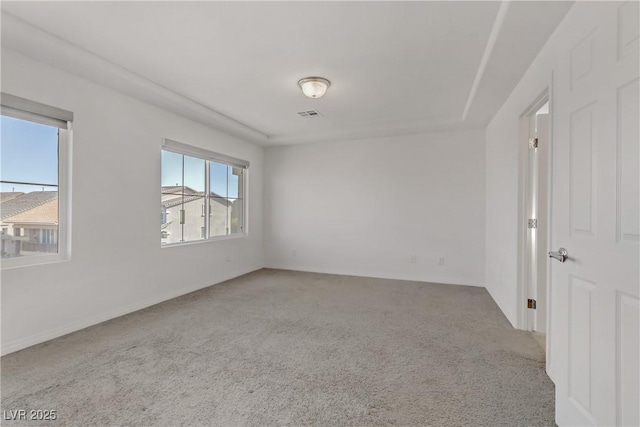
x: 204, y: 241
x: 21, y: 262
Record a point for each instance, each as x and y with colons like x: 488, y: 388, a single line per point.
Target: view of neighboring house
x: 28, y: 223
x: 225, y: 214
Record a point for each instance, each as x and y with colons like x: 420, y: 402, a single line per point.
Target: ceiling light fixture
x: 314, y: 87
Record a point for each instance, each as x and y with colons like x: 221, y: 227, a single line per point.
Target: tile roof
x: 45, y: 213
x: 178, y: 200
x: 177, y: 189
x: 188, y: 191
x: 25, y: 202
x: 8, y: 195
x: 189, y: 196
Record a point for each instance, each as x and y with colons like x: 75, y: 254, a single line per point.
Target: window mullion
x: 228, y: 220
x: 182, y: 210
x: 207, y: 193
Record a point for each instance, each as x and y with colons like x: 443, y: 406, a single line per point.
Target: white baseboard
x: 375, y: 275
x: 50, y: 334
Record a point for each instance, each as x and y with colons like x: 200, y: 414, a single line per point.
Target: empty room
x: 331, y: 213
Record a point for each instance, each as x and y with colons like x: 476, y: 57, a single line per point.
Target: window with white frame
x: 202, y: 194
x: 33, y: 181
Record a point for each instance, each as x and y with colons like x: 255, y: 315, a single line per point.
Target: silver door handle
x: 561, y: 255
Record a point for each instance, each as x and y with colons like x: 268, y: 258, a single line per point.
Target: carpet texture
x: 289, y: 348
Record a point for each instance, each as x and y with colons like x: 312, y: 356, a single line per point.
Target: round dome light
x: 314, y: 87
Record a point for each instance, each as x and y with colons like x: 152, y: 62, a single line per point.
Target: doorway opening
x: 536, y: 209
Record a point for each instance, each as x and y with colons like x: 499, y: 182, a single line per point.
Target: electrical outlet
x: 294, y: 253
x: 441, y: 260
x: 413, y: 259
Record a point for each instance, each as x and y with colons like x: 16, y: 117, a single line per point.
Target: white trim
x: 549, y: 366
x: 522, y: 291
x: 26, y: 109
x: 245, y: 202
x: 65, y: 150
x: 28, y: 261
x: 209, y: 240
x: 29, y: 341
x: 37, y: 118
x: 380, y: 130
x: 201, y: 153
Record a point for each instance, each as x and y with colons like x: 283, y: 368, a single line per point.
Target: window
x: 33, y: 181
x: 202, y: 194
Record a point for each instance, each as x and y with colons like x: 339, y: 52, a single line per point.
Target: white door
x: 594, y: 317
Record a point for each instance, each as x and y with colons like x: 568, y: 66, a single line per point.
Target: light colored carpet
x: 288, y: 348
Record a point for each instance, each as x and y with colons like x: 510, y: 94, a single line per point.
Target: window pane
x: 29, y: 216
x: 218, y: 177
x: 227, y: 190
x: 218, y: 217
x: 236, y: 215
x: 30, y: 221
x: 194, y: 221
x: 171, y: 197
x: 29, y: 152
x: 171, y: 229
x: 171, y: 171
x: 235, y: 176
x: 194, y: 181
x: 182, y: 198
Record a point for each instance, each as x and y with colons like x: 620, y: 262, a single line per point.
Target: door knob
x: 561, y: 255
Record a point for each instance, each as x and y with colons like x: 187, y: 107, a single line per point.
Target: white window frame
x: 211, y: 156
x: 20, y: 108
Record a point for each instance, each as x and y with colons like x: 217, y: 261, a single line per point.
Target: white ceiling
x: 395, y: 67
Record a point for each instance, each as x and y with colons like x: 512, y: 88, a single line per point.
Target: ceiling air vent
x: 311, y: 114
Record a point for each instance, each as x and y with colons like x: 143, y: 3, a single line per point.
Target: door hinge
x: 533, y: 143
x: 531, y: 303
x: 532, y: 223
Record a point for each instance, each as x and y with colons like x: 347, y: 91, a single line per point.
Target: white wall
x: 117, y: 265
x: 365, y: 207
x: 502, y: 192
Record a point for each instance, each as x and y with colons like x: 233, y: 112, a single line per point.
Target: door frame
x: 523, y: 170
